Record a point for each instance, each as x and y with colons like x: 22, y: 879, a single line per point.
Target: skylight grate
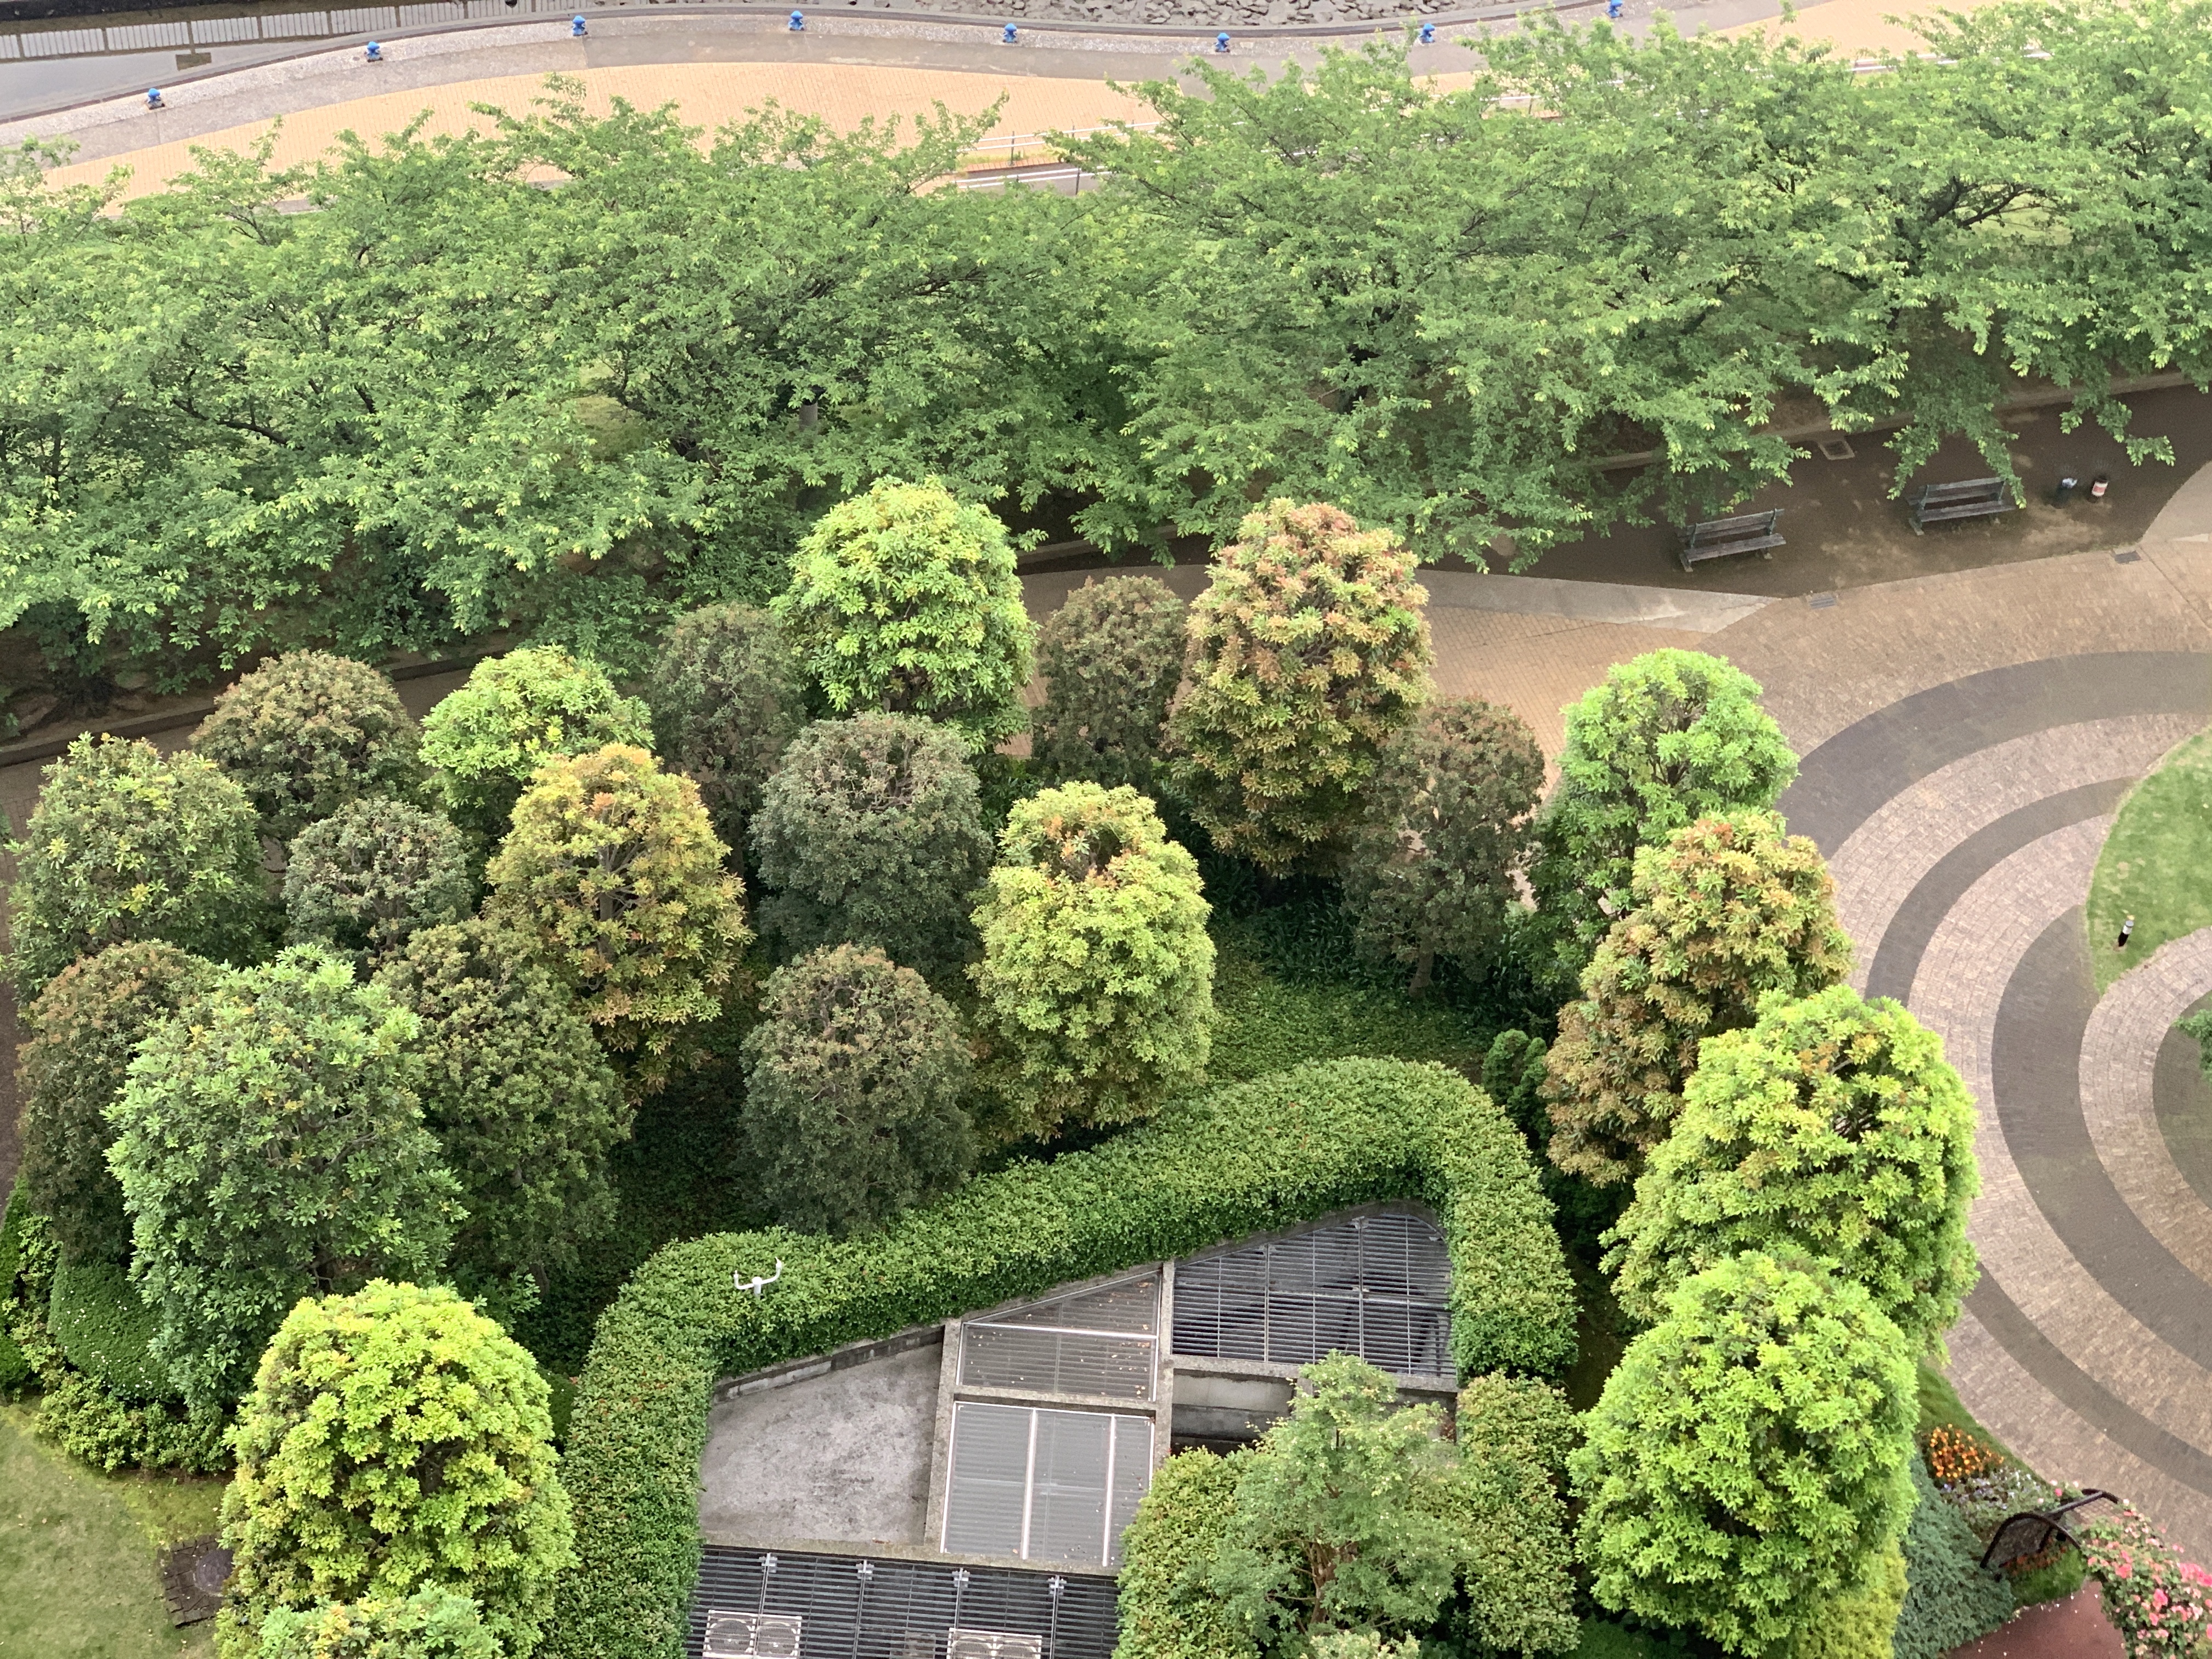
x: 1039, y: 1485
x: 1103, y: 1342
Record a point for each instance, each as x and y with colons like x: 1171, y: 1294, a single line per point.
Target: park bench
x: 1969, y: 498
x: 2023, y: 1536
x: 1716, y: 538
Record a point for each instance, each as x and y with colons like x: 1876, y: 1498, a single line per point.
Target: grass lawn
x: 77, y: 1572
x: 2157, y: 863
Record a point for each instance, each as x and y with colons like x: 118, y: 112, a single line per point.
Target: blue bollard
x: 153, y: 98
x: 576, y: 30
x: 1006, y: 36
x: 1221, y: 41
x: 1428, y: 34
x: 797, y: 22
x: 375, y: 52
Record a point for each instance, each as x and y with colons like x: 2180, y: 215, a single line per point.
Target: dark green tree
x: 307, y: 732
x: 373, y: 873
x: 854, y: 1081
x: 727, y: 694
x: 1110, y: 657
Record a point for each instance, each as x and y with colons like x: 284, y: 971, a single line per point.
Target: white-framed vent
x: 1103, y: 1342
x: 1377, y: 1286
x: 1039, y: 1485
x: 993, y: 1644
x: 732, y: 1635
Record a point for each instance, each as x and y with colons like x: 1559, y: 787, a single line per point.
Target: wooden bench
x: 1969, y: 498
x: 1716, y: 538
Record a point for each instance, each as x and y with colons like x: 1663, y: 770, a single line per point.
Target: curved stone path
x: 1963, y: 823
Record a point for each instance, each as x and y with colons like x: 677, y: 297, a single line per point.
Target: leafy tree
x: 1336, y: 1521
x: 395, y: 1439
x: 125, y: 845
x: 1831, y: 1127
x: 372, y: 873
x: 1308, y: 649
x: 1727, y: 910
x: 520, y: 1096
x: 1111, y: 657
x: 871, y: 832
x: 1433, y: 860
x: 1097, y: 981
x: 1746, y: 1461
x: 1666, y: 739
x: 517, y: 713
x: 270, y: 1145
x: 613, y: 874
x: 431, y: 1624
x: 83, y: 1029
x: 726, y: 697
x: 307, y: 732
x: 905, y: 599
x: 853, y: 1081
x: 1513, y: 1076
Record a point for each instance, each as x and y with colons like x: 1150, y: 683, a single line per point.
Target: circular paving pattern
x: 1963, y: 825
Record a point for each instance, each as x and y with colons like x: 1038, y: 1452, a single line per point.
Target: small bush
x: 1949, y: 1601
x: 306, y: 733
x: 368, y: 876
x: 727, y: 696
x: 1111, y: 657
x: 853, y: 1081
x: 1860, y: 1622
x: 2160, y: 1604
x: 516, y: 713
x: 103, y: 1330
x: 1167, y: 1609
x: 14, y: 1364
x: 431, y: 1624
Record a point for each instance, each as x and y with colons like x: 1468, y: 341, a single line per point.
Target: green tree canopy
x: 854, y: 1081
x: 1433, y: 860
x: 1727, y: 910
x: 126, y: 845
x: 395, y: 1439
x: 431, y: 1624
x: 1097, y: 981
x: 871, y: 832
x: 270, y: 1145
x: 613, y: 875
x: 521, y: 1097
x: 82, y: 1031
x: 372, y: 872
x: 1308, y: 649
x: 1111, y: 657
x: 306, y: 733
x: 1832, y: 1128
x: 904, y: 600
x: 1747, y: 1459
x: 727, y: 696
x: 516, y: 713
x: 1665, y: 739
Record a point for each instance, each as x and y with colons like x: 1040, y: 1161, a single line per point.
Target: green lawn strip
x: 2154, y: 863
x: 78, y: 1578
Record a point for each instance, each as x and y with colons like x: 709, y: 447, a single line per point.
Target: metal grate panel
x: 898, y: 1609
x: 1103, y: 1342
x: 1044, y: 1486
x: 1376, y: 1285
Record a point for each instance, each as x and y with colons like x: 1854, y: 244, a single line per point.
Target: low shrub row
x: 1255, y: 1156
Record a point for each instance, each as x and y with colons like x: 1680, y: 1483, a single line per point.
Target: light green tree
x: 517, y: 712
x: 904, y: 600
x: 431, y: 1624
x: 1096, y: 985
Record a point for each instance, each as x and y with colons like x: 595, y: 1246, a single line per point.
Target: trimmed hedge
x: 1242, y: 1159
x: 14, y: 1367
x: 102, y: 1328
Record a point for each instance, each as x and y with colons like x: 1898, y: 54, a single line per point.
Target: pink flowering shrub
x: 2160, y: 1604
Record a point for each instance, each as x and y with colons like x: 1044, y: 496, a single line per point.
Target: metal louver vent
x: 1103, y: 1342
x: 1376, y: 1285
x: 750, y: 1635
x: 992, y: 1644
x: 1044, y: 1486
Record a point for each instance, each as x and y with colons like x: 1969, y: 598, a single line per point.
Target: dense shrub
x: 1253, y: 1156
x: 1948, y: 1600
x: 1111, y: 657
x: 394, y: 1438
x: 1308, y: 649
x: 1727, y: 910
x: 1502, y: 1504
x: 103, y: 1330
x: 904, y: 600
x: 431, y: 1624
x: 1432, y: 863
x: 1097, y: 981
x: 271, y: 1146
x: 1666, y: 739
x: 613, y: 874
x: 853, y: 1083
x: 727, y: 696
x: 1513, y: 1076
x: 871, y: 832
x: 1858, y: 1623
x: 83, y: 1029
x: 306, y: 733
x: 520, y: 1096
x: 1831, y: 1127
x: 1748, y: 1458
x: 15, y: 1220
x: 1167, y: 1606
x: 2160, y: 1604
x: 515, y: 713
x: 368, y: 876
x: 124, y: 845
